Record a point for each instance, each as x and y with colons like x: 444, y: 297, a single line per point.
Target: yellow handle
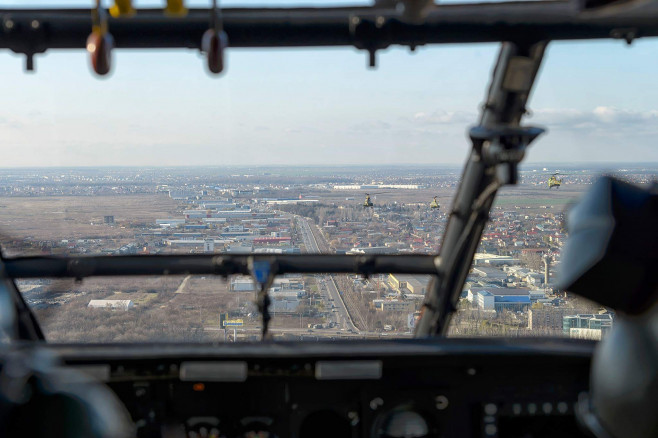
x: 122, y: 8
x: 175, y: 8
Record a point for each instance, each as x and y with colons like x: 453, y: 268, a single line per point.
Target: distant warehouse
x: 414, y: 284
x: 111, y: 304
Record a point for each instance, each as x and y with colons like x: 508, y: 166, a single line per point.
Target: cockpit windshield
x: 298, y: 152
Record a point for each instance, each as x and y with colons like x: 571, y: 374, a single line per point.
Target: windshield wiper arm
x: 214, y: 264
x: 263, y: 268
x: 499, y: 144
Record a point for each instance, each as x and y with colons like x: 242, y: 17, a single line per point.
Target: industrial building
x: 172, y: 222
x: 547, y: 320
x: 493, y: 260
x: 284, y: 302
x: 111, y: 304
x: 241, y: 283
x: 409, y: 284
x: 488, y: 274
x: 587, y: 326
x: 195, y: 243
x: 378, y: 186
x: 270, y: 240
x: 499, y: 299
x: 372, y: 250
x: 393, y: 305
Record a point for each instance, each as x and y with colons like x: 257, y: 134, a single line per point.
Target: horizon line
x: 324, y: 165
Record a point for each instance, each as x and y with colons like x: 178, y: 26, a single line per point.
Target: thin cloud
x: 598, y: 120
x: 442, y: 117
x: 369, y: 126
x: 10, y: 122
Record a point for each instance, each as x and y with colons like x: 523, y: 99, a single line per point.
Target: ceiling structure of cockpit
x: 33, y: 31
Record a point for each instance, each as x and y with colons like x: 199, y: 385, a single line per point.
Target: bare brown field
x: 535, y: 198
x: 159, y: 313
x: 530, y: 196
x: 387, y: 196
x: 71, y: 217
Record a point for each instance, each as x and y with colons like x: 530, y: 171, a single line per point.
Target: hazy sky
x: 599, y: 101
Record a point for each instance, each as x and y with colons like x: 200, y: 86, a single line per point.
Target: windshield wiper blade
x: 214, y: 264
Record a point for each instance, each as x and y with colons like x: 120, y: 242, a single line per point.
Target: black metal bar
x: 512, y: 79
x: 36, y: 30
x: 81, y: 267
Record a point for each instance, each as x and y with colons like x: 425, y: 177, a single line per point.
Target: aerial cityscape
x: 292, y: 210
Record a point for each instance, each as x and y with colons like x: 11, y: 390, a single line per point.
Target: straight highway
x: 326, y: 283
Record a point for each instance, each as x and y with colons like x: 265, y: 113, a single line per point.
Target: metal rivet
x: 35, y: 24
x: 490, y: 429
x: 441, y: 402
x: 376, y: 402
x: 490, y: 409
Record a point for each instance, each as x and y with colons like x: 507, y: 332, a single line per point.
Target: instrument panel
x: 401, y: 388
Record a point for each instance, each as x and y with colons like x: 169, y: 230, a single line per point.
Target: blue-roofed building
x: 500, y: 299
x: 511, y: 302
x: 196, y: 226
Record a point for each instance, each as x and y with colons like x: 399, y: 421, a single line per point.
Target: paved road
x: 329, y: 291
x: 321, y: 333
x: 183, y: 283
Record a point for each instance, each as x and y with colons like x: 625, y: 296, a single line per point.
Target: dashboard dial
x: 257, y: 429
x: 401, y: 423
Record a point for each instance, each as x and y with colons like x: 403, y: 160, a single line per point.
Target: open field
x: 73, y: 217
x: 523, y: 195
x: 182, y: 307
x: 159, y: 313
x: 534, y: 197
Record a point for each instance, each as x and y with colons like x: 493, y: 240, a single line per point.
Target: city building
x: 393, y: 305
x: 500, y: 299
x: 165, y: 223
x: 111, y: 304
x: 409, y: 284
x: 548, y: 319
x: 242, y: 284
x: 493, y: 259
x: 596, y: 325
x: 285, y: 301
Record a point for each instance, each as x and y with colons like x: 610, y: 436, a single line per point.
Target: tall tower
x: 546, y: 269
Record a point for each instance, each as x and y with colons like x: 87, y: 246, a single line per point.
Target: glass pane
x: 208, y: 309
